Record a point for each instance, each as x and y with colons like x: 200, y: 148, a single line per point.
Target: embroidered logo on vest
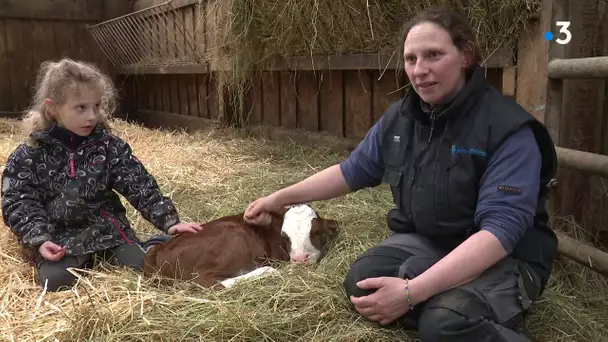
x: 464, y: 150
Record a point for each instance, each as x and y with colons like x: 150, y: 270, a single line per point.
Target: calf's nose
x: 300, y: 257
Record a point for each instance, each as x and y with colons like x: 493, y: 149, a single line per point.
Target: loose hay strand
x: 214, y: 173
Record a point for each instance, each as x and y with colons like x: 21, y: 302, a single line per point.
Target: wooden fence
x: 32, y: 31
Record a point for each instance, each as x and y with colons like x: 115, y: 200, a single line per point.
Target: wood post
x: 593, y: 163
x: 582, y: 253
x: 532, y: 61
x: 579, y: 68
x: 509, y: 80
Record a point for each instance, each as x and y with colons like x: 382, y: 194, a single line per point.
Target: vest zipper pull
x: 433, y: 117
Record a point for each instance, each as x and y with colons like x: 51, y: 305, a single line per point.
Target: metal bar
x: 173, y: 28
x: 579, y: 68
x: 122, y: 46
x: 162, y: 34
x: 111, y: 40
x: 103, y: 34
x: 596, y: 164
x: 161, y: 26
x: 103, y: 45
x: 131, y: 31
x: 148, y: 23
x: 126, y: 36
x: 187, y: 42
x: 165, y: 23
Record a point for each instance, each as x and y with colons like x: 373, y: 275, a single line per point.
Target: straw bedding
x: 214, y: 173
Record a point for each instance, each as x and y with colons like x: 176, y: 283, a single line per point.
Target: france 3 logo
x: 563, y: 30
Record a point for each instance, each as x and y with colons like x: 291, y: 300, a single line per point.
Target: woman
x: 471, y: 248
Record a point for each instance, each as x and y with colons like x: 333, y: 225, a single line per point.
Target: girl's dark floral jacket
x: 59, y: 187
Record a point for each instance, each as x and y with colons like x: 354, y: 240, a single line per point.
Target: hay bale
x: 259, y: 32
x: 250, y: 35
x: 214, y: 173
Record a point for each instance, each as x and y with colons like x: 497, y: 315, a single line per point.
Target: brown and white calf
x: 228, y: 249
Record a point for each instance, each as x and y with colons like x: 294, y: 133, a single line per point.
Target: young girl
x: 58, y: 185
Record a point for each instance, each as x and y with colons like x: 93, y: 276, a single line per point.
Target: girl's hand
x: 51, y: 251
x: 185, y: 228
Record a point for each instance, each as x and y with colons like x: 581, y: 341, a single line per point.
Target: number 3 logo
x: 564, y: 29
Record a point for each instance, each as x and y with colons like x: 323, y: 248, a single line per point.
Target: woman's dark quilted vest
x: 434, y: 164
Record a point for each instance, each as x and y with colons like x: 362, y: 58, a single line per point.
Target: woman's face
x: 434, y: 65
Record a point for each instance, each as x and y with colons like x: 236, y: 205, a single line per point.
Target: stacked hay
x: 250, y: 35
x: 218, y: 172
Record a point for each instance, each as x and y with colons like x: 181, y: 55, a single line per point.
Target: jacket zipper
x: 103, y: 212
x: 433, y: 117
x: 117, y: 226
x: 71, y: 157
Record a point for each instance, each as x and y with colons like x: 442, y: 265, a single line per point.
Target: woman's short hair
x: 456, y: 25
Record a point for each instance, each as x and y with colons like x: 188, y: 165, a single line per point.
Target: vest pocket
x: 393, y: 178
x: 443, y: 187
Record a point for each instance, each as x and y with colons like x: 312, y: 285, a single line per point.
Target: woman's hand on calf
x: 258, y: 212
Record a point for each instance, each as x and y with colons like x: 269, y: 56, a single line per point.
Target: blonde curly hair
x: 55, y: 79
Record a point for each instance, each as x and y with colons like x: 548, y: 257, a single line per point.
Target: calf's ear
x: 264, y: 221
x: 329, y: 227
x: 274, y: 223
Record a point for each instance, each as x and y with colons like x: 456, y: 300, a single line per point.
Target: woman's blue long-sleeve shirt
x: 516, y: 163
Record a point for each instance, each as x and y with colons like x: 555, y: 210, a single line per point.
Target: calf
x: 229, y: 249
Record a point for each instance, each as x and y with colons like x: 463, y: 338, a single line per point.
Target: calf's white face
x: 297, y: 225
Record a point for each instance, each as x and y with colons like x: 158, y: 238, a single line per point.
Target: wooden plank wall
x: 343, y: 103
x: 33, y: 31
